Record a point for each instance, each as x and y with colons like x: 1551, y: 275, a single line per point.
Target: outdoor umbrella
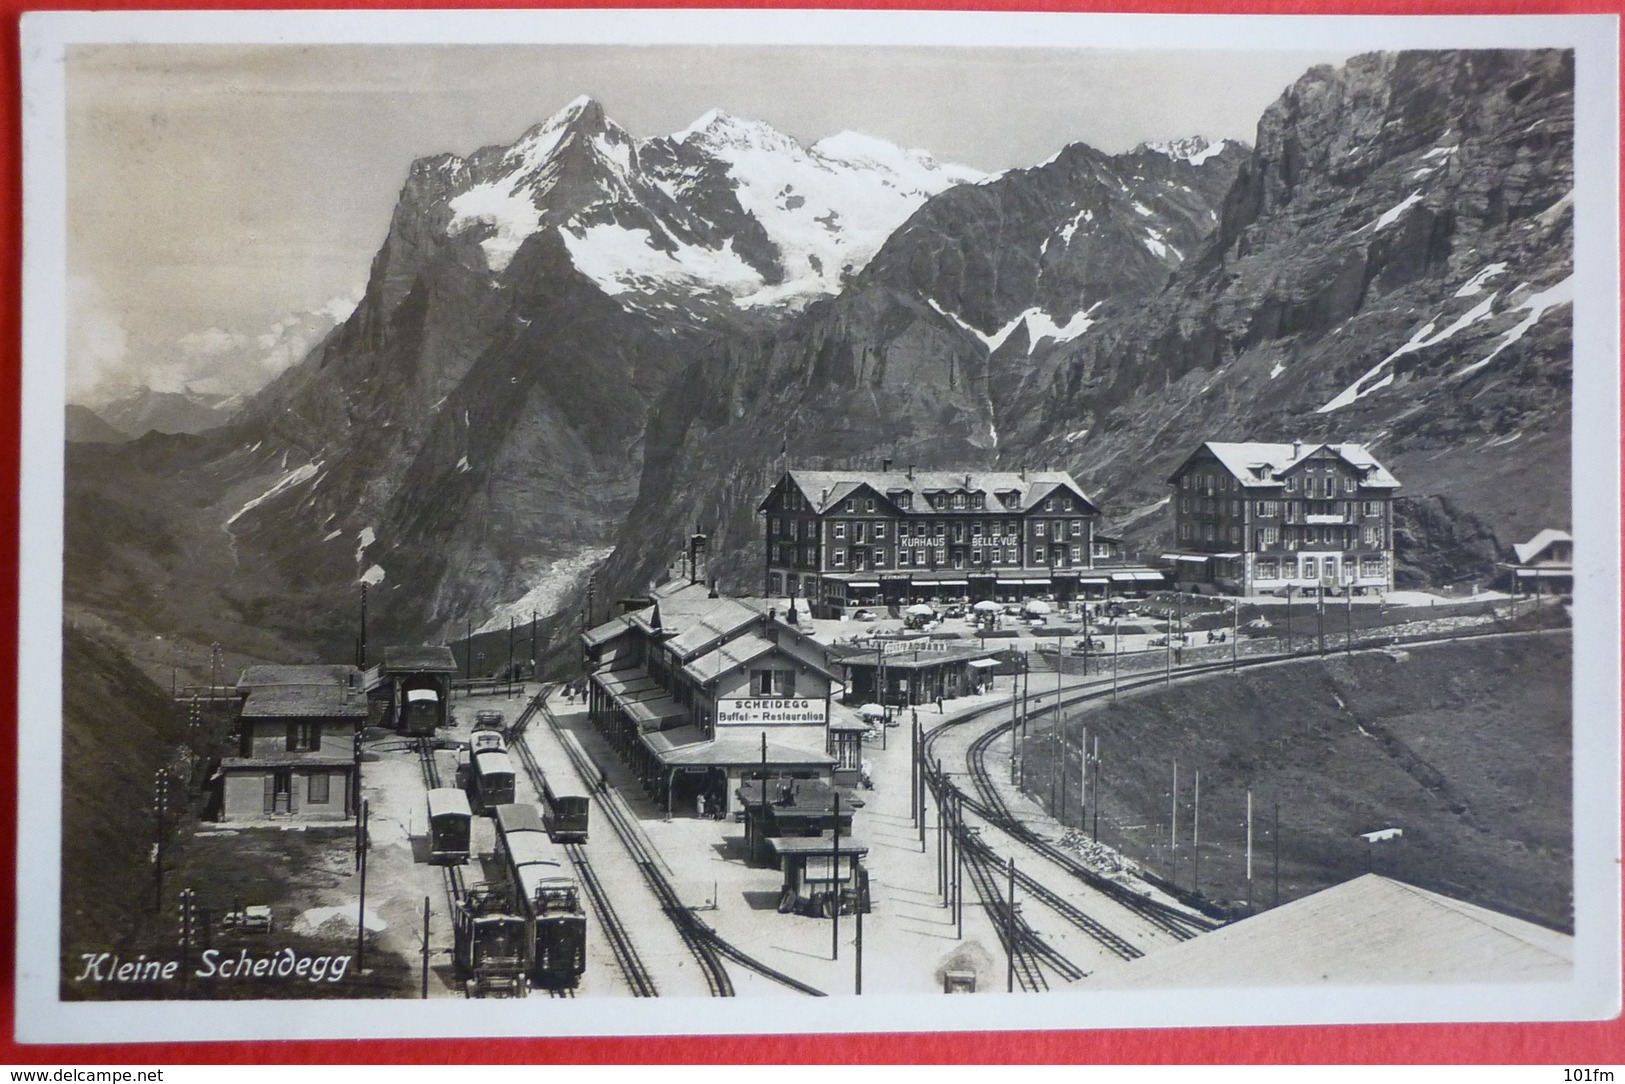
x: 1037, y: 606
x: 920, y: 610
x: 872, y: 711
x: 986, y: 607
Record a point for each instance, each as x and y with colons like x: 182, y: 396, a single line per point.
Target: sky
x: 224, y: 202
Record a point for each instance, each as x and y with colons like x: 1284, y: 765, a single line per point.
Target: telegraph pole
x: 425, y: 992
x: 835, y: 884
x: 161, y: 800
x: 1010, y: 936
x: 361, y: 903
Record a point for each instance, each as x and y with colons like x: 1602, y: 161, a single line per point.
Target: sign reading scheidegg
x: 771, y: 711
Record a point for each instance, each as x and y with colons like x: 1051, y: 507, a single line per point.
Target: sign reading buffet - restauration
x: 771, y: 711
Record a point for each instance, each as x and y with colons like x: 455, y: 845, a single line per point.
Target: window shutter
x: 270, y: 792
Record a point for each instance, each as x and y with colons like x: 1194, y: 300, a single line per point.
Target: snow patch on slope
x: 281, y: 485
x: 1536, y: 304
x: 552, y: 587
x: 1421, y: 340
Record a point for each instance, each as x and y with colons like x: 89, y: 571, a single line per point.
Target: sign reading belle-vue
x: 771, y: 711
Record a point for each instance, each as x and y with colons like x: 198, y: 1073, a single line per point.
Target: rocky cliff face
x: 1391, y: 263
x: 922, y: 356
x: 476, y: 426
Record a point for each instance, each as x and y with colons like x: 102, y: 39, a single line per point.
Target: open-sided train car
x: 491, y: 942
x: 449, y: 826
x: 564, y: 801
x: 547, y: 894
x: 493, y: 779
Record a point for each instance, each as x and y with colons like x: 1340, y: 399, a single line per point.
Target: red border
x: 1578, y: 1043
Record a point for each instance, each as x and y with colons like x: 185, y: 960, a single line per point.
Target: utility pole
x: 1173, y: 831
x: 468, y: 648
x: 835, y: 884
x: 1235, y: 632
x: 959, y: 865
x: 1196, y: 836
x: 361, y: 902
x: 1096, y: 833
x: 187, y: 896
x: 1276, y: 835
x: 857, y: 975
x: 1289, y: 619
x: 425, y: 993
x: 1010, y: 936
x: 1116, y: 640
x: 510, y: 654
x: 160, y: 801
x: 1249, y: 852
x: 1320, y: 617
x: 1348, y: 622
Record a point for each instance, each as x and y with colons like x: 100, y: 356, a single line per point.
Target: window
x: 959, y: 500
x: 1049, y: 504
x: 1010, y: 529
x: 1185, y: 531
x: 1291, y: 485
x: 851, y: 504
x: 1184, y: 481
x: 1309, y: 572
x: 1348, y: 485
x: 775, y: 583
x: 1373, y: 536
x: 1038, y: 529
x: 1370, y: 566
x: 1077, y: 554
x: 976, y: 530
x: 919, y: 530
x: 773, y: 682
x: 1184, y: 504
x: 772, y: 524
x: 1076, y: 530
x: 1235, y: 508
x: 318, y: 793
x: 1208, y: 533
x: 976, y: 555
x: 1010, y: 557
x: 837, y: 559
x: 1038, y: 555
x: 304, y: 737
x: 869, y: 505
x: 996, y: 529
x: 880, y: 531
x: 1224, y: 482
x: 840, y: 530
x: 879, y: 557
x: 1268, y: 537
x: 941, y: 530
x: 1266, y: 570
x: 1235, y: 534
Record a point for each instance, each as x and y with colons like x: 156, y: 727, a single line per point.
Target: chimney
x: 713, y: 588
x: 1023, y: 472
x: 911, y: 472
x: 1297, y: 447
x: 885, y: 466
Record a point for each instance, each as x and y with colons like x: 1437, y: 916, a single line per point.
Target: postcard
x: 535, y: 522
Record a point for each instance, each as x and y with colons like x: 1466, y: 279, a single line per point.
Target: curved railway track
x: 707, y: 946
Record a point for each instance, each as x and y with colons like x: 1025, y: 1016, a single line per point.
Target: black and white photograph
x: 991, y: 521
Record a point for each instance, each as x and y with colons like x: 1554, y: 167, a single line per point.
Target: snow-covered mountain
x: 726, y: 210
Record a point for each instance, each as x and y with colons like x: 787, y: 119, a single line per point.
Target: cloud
x: 98, y: 344
x: 213, y: 360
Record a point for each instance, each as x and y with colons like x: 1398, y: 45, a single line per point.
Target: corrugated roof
x: 736, y: 652
x: 1243, y: 460
x: 305, y: 701
x: 1528, y: 551
x: 825, y: 490
x: 434, y: 659
x: 698, y: 623
x: 1368, y: 930
x: 255, y: 677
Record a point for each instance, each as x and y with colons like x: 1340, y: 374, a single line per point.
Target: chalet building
x: 1544, y: 564
x: 296, y: 744
x: 845, y: 539
x: 1263, y: 519
x: 698, y: 693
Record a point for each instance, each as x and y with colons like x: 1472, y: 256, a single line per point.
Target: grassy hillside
x: 1464, y: 746
x: 118, y: 729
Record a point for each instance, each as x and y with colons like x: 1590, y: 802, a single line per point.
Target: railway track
x: 616, y: 935
x: 708, y: 947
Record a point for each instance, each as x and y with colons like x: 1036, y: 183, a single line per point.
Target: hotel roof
x: 825, y: 490
x: 1246, y: 460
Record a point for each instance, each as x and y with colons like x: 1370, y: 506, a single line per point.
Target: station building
x: 699, y: 693
x: 1269, y: 519
x: 297, y: 727
x: 846, y: 539
x: 1544, y: 564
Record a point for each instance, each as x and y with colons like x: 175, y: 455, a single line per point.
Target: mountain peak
x: 718, y: 129
x: 1193, y: 149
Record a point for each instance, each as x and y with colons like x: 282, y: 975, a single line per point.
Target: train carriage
x: 449, y: 826
x: 422, y: 711
x: 493, y: 779
x: 564, y: 801
x: 547, y: 894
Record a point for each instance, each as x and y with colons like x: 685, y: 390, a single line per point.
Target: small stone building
x: 296, y: 745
